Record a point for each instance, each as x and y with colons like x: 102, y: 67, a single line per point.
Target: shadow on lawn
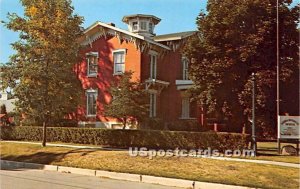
x: 46, y: 157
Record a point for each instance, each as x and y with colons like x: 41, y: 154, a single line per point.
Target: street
x: 39, y: 179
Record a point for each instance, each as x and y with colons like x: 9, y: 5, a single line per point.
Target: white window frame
x: 150, y: 29
x: 114, y: 63
x: 94, y: 55
x: 185, y: 108
x: 153, y: 64
x: 144, y: 22
x: 87, y: 102
x: 185, y: 68
x: 153, y: 104
x: 137, y: 25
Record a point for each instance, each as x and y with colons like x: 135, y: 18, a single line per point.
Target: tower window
x: 150, y: 27
x: 143, y: 25
x: 134, y: 26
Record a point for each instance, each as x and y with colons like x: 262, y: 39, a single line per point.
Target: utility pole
x: 277, y: 72
x: 254, y: 146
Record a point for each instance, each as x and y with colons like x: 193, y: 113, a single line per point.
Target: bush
x: 186, y: 125
x: 129, y: 138
x: 154, y: 124
x: 67, y: 123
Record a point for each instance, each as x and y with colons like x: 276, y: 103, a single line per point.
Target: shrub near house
x: 130, y: 138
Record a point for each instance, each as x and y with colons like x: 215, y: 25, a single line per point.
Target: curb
x: 79, y: 171
x: 119, y: 176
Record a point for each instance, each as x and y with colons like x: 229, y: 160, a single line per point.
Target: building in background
x: 7, y: 101
x: 155, y: 60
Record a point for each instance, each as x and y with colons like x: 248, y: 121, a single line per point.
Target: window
x: 91, y: 102
x: 143, y: 25
x: 152, y: 105
x: 92, y: 63
x: 153, y: 66
x: 150, y: 27
x: 185, y: 68
x: 185, y: 111
x: 134, y: 26
x: 119, y: 61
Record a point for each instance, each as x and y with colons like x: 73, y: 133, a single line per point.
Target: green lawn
x: 200, y: 169
x: 266, y: 151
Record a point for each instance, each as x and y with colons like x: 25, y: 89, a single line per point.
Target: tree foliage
x: 41, y: 73
x: 3, y: 109
x: 237, y: 38
x: 129, y: 101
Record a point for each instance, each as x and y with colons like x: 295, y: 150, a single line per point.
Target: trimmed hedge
x: 129, y: 138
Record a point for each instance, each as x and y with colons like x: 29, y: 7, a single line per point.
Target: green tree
x: 237, y: 38
x: 3, y: 109
x: 41, y: 73
x: 129, y: 101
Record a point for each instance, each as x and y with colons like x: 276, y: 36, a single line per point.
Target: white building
x: 9, y: 103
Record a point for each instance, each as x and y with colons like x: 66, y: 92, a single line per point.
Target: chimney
x: 112, y: 24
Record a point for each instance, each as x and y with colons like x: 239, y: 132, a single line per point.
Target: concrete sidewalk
x: 266, y: 162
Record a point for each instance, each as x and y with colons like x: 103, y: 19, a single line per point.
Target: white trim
x: 92, y: 54
x: 118, y: 51
x: 157, y: 81
x: 184, y: 82
x: 86, y: 41
x: 152, y: 91
x: 103, y: 124
x: 184, y: 87
x: 152, y: 52
x: 174, y: 38
x: 187, y: 118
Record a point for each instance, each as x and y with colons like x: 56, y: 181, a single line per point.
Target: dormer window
x: 134, y: 26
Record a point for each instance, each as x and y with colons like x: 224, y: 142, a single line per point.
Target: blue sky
x: 176, y: 15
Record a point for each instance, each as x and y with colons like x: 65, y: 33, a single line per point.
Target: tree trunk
x: 124, y: 123
x: 45, y: 105
x: 44, y: 133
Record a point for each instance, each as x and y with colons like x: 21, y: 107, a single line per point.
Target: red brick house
x: 155, y: 60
